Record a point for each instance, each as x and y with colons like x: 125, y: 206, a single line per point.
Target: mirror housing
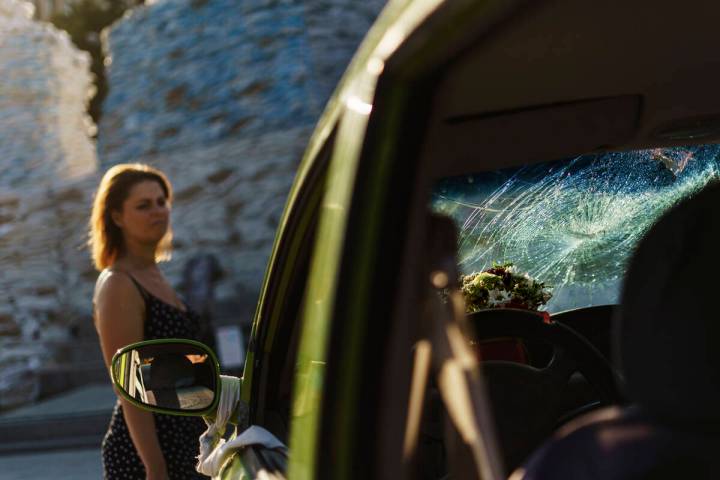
x: 170, y: 376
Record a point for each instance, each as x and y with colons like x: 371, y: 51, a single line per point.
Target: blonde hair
x: 105, y: 237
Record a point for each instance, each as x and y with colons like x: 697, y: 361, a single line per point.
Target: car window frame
x: 294, y: 237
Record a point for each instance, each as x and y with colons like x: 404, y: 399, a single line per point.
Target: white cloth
x: 229, y: 397
x: 214, y: 450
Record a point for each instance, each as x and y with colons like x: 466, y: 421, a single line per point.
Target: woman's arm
x: 119, y: 312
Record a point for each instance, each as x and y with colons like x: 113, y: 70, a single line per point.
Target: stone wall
x: 45, y: 84
x: 187, y: 73
x: 47, y: 282
x: 45, y: 153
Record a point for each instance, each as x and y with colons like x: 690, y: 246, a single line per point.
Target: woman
x: 129, y: 233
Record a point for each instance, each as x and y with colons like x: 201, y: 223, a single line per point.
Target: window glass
x: 571, y: 223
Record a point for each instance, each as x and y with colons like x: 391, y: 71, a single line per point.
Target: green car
x: 463, y: 136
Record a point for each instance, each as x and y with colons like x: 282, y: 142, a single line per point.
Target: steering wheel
x: 529, y: 403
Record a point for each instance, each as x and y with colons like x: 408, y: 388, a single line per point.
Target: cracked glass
x: 571, y: 223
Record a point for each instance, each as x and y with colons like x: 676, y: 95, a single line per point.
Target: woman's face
x: 145, y: 214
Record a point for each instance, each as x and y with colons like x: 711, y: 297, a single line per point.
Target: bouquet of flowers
x: 502, y: 286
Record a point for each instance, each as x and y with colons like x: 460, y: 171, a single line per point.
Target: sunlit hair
x: 106, y: 238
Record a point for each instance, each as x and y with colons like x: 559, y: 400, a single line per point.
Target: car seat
x: 666, y: 337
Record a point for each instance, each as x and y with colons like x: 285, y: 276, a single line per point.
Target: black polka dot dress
x: 178, y: 435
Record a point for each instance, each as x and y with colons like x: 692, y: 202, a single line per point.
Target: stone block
x: 44, y: 130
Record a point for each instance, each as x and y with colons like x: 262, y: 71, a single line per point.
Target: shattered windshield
x: 572, y: 223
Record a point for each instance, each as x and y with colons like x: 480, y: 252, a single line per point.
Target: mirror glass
x: 175, y: 376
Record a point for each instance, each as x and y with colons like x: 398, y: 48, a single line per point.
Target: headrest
x: 667, y: 332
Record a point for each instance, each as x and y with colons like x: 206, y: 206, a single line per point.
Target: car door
x: 362, y: 293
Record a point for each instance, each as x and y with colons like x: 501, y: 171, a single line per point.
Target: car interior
x: 526, y: 131
x: 572, y: 224
x: 555, y: 83
x: 669, y: 429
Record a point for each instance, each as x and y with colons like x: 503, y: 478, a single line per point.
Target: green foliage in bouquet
x: 502, y: 286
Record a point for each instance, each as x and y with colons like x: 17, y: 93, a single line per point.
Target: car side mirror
x: 172, y: 376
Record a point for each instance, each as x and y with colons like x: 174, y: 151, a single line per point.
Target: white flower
x: 498, y: 297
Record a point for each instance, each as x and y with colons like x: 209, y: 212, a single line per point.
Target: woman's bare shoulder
x: 115, y: 285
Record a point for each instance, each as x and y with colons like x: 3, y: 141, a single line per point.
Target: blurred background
x: 221, y: 95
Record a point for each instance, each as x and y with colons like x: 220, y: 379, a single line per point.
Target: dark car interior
x: 575, y: 224
x: 562, y: 377
x: 668, y: 424
x: 558, y: 79
x: 531, y: 400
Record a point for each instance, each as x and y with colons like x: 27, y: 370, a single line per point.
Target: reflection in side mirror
x: 169, y: 376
